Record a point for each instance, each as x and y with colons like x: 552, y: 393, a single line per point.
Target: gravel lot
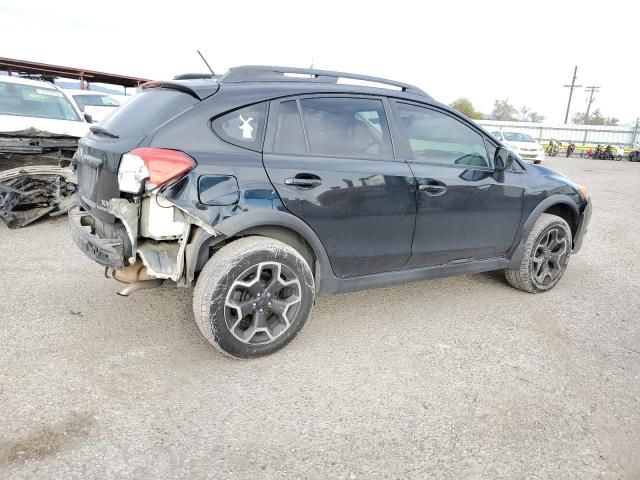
x: 457, y: 378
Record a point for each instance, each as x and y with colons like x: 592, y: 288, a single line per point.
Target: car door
x: 465, y: 209
x: 331, y: 160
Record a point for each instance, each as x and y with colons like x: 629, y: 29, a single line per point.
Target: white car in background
x: 96, y: 104
x: 39, y: 131
x: 521, y: 143
x: 34, y: 105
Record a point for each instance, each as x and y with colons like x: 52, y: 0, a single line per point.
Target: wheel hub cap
x: 550, y: 256
x: 262, y: 302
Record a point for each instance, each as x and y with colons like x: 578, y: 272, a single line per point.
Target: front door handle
x: 433, y: 188
x: 304, y: 180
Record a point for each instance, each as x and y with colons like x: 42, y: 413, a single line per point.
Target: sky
x: 524, y: 51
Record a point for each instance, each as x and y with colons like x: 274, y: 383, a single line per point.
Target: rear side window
x: 435, y: 137
x: 346, y: 127
x: 289, y: 134
x: 243, y: 127
x: 146, y: 111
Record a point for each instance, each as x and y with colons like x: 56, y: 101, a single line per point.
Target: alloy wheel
x: 550, y: 256
x: 262, y: 303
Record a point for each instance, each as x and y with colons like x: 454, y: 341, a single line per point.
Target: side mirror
x: 503, y: 159
x: 88, y: 118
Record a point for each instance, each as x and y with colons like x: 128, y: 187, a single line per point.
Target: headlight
x: 584, y: 192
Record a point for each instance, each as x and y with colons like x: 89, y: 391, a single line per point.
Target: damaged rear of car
x: 125, y: 221
x: 39, y: 131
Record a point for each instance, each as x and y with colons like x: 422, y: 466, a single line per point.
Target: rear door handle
x: 304, y: 180
x: 433, y: 189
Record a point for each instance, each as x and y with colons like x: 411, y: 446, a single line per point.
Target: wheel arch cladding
x: 560, y: 205
x: 277, y: 225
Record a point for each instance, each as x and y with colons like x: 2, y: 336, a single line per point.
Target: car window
x: 435, y: 137
x: 518, y: 137
x: 346, y: 127
x: 243, y: 127
x: 289, y: 137
x: 491, y: 149
x: 147, y: 111
x: 95, y: 101
x: 33, y: 101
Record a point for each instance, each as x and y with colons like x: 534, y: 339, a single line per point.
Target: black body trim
x: 105, y: 251
x: 525, y: 230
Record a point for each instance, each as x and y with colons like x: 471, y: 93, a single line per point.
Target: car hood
x: 19, y: 126
x: 548, y: 172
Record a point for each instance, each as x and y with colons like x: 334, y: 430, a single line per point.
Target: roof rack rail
x: 264, y: 73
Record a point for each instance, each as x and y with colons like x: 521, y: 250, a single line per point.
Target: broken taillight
x: 148, y: 168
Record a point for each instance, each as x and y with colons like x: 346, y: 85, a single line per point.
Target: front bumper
x: 582, y: 227
x: 108, y: 252
x: 531, y: 156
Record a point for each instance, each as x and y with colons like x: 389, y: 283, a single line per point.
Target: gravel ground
x: 457, y: 378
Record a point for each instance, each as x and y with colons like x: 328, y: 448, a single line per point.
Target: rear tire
x: 546, y: 256
x: 253, y: 296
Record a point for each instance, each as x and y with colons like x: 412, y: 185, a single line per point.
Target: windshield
x: 30, y: 101
x: 518, y: 137
x: 95, y: 101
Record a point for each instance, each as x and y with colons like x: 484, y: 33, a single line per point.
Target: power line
x: 592, y: 89
x: 571, y: 87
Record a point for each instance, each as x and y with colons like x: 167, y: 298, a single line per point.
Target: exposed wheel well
x: 284, y: 235
x: 565, y: 212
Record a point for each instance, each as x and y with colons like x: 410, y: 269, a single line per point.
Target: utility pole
x: 571, y: 87
x: 590, y: 89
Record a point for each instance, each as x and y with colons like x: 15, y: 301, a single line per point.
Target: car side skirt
x: 336, y: 285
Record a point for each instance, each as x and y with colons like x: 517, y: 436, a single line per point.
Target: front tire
x: 546, y: 256
x: 253, y: 296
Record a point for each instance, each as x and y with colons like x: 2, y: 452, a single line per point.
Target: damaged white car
x: 39, y: 131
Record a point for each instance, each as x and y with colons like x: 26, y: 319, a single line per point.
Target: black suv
x: 268, y: 186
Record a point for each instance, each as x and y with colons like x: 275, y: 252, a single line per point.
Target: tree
x: 536, y: 117
x: 523, y: 114
x: 596, y: 118
x: 503, y: 110
x: 464, y: 106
